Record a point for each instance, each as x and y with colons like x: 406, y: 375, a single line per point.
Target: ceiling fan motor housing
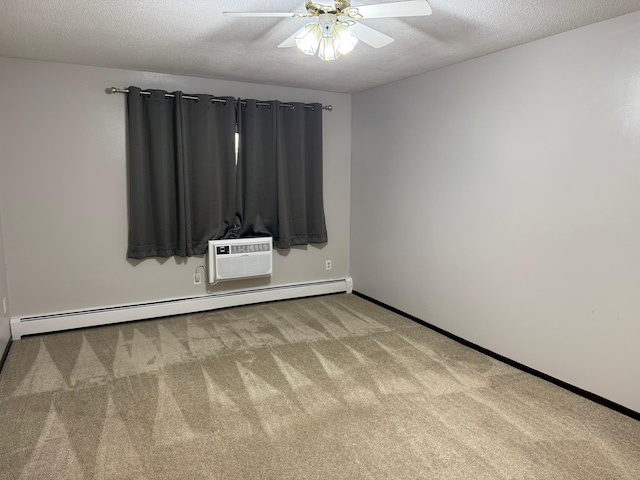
x: 336, y: 9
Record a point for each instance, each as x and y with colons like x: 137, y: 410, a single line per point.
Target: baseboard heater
x: 53, y: 322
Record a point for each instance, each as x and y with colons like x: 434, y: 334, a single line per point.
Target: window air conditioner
x: 239, y: 258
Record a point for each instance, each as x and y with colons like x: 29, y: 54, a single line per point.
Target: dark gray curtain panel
x: 280, y: 172
x: 181, y: 173
x: 257, y: 171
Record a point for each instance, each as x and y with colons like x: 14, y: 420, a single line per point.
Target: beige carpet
x: 325, y: 388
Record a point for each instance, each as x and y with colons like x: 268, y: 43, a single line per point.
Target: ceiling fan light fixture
x: 309, y: 39
x: 329, y: 41
x: 328, y: 37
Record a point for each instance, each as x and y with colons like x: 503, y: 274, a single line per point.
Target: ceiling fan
x: 337, y: 28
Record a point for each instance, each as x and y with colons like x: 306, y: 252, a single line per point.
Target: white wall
x: 499, y: 199
x: 5, y: 329
x: 63, y: 189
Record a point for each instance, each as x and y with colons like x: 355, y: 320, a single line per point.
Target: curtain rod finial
x: 328, y: 107
x: 111, y: 90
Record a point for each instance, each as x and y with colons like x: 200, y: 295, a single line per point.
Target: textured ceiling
x: 192, y: 37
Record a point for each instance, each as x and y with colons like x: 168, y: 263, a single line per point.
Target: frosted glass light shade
x: 347, y: 41
x: 328, y: 49
x: 309, y: 38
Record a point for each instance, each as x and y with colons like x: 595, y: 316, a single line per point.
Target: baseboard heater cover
x: 53, y: 322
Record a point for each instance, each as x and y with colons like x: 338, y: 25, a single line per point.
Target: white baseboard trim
x: 53, y: 322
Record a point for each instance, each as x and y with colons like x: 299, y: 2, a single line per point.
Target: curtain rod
x: 111, y: 90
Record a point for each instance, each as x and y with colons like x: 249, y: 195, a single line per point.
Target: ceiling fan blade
x: 291, y: 41
x: 370, y: 36
x: 259, y: 14
x: 413, y: 8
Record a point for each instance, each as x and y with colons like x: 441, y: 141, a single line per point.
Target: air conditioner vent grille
x: 248, y: 266
x: 250, y: 248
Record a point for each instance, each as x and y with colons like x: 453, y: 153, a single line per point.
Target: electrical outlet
x: 4, y: 304
x: 328, y: 265
x: 197, y: 278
